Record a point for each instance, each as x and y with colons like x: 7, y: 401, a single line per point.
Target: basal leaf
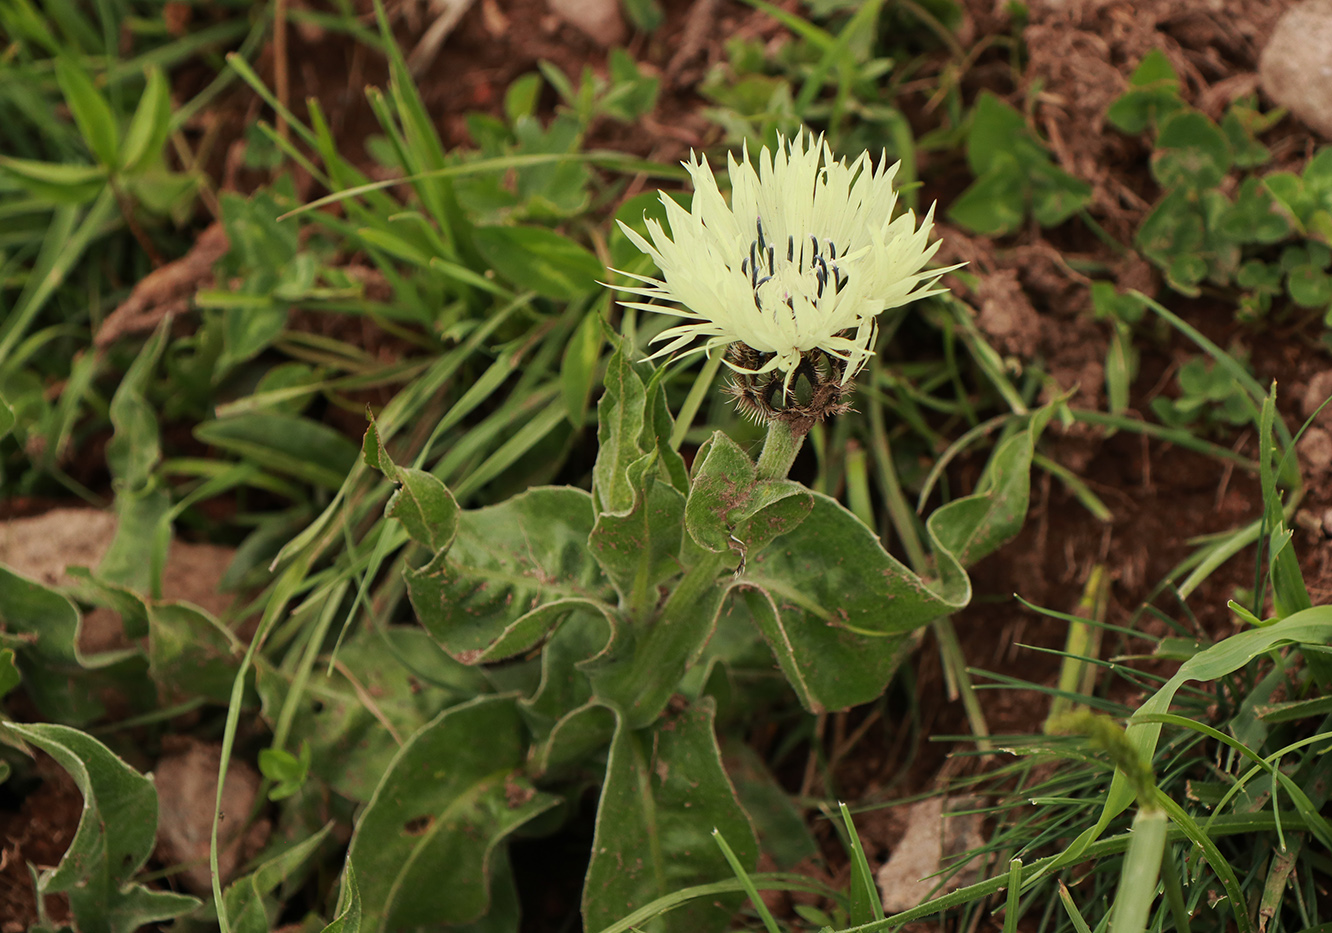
x: 42, y: 626
x: 508, y: 561
x: 665, y: 792
x: 190, y: 654
x: 352, y: 743
x: 114, y: 838
x: 424, y: 850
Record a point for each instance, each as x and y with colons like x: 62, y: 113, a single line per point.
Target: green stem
x: 779, y: 451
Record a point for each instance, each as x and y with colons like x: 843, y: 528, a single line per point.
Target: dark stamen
x: 758, y: 223
x: 772, y: 270
x: 753, y: 263
x: 790, y: 248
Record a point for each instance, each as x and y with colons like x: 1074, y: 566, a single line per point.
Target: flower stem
x: 779, y: 451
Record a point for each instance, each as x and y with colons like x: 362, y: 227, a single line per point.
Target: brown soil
x: 1030, y: 301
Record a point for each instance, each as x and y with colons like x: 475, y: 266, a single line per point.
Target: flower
x: 792, y: 275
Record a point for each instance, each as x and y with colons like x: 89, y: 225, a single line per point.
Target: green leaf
x: 248, y: 905
x: 190, y: 654
x: 286, y: 770
x: 1153, y: 95
x: 837, y: 609
x: 520, y: 99
x: 9, y: 674
x: 639, y: 548
x: 352, y: 734
x: 7, y: 418
x: 348, y: 919
x: 137, y: 555
x: 994, y: 204
x: 91, y: 112
x: 540, y: 260
x: 113, y: 841
x: 249, y: 330
x: 424, y: 848
x: 665, y: 792
x: 966, y: 530
x: 579, y: 367
x: 1246, y: 149
x: 646, y: 15
x: 998, y: 135
x: 56, y: 182
x: 729, y: 508
x: 135, y: 448
x: 297, y: 446
x: 781, y: 829
x: 574, y: 737
x: 512, y: 572
x: 42, y: 626
x: 1255, y: 216
x: 1308, y: 282
x: 151, y: 123
x: 621, y: 417
x: 1056, y: 196
x: 422, y: 503
x: 1191, y: 153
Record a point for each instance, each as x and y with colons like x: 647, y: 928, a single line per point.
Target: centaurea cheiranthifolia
x: 790, y: 277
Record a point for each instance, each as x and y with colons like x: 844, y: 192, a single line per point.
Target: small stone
x: 934, y: 838
x: 186, y: 781
x: 1318, y: 392
x: 599, y: 20
x: 1315, y: 450
x: 1296, y: 64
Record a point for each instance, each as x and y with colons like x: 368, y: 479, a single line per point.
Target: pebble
x: 1296, y: 64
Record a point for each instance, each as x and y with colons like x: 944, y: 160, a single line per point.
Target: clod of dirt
x: 1315, y: 451
x: 933, y: 839
x: 1318, y: 392
x: 1007, y: 316
x: 599, y: 20
x: 186, y: 781
x: 166, y: 291
x: 1296, y: 64
x: 42, y: 546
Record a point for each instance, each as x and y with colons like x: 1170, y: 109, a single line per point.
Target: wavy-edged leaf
x: 114, y: 838
x: 424, y: 849
x: 508, y: 563
x: 665, y: 792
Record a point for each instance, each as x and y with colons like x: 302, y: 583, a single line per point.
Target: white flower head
x: 801, y: 263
